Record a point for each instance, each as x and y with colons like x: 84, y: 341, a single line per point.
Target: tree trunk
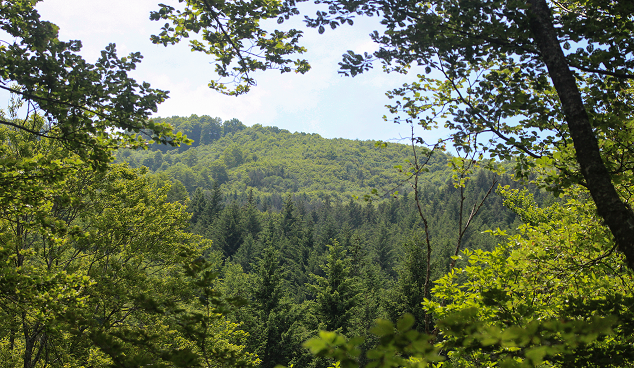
x: 618, y: 216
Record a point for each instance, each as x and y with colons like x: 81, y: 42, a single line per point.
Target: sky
x: 320, y: 101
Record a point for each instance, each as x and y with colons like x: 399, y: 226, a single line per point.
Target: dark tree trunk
x: 618, y: 216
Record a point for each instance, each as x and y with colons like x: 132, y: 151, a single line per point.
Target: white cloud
x: 321, y: 101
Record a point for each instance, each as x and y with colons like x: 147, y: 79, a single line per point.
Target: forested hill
x: 326, y: 178
x: 281, y: 213
x: 273, y: 162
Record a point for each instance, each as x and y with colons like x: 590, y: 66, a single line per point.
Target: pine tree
x: 277, y: 337
x: 197, y: 207
x: 289, y: 221
x: 336, y: 293
x: 384, y: 250
x: 268, y: 289
x: 214, y: 205
x: 355, y: 214
x: 251, y: 217
x: 411, y: 281
x: 227, y: 231
x: 247, y: 253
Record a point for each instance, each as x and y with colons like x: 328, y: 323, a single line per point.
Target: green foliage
x: 272, y: 161
x: 232, y: 156
x: 384, y: 265
x: 409, y: 292
x: 554, y: 293
x: 523, y: 203
x: 230, y: 33
x: 200, y: 129
x: 336, y: 293
x: 97, y: 269
x: 399, y: 346
x: 89, y: 108
x: 228, y: 230
x: 537, y: 343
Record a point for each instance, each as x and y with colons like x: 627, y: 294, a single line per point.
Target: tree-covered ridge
x: 200, y: 129
x: 271, y: 160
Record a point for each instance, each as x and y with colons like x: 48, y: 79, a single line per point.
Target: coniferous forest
x: 128, y: 240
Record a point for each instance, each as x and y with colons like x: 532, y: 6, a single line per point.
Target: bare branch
x: 474, y: 211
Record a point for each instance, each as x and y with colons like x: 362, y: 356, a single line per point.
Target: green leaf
x: 405, y: 322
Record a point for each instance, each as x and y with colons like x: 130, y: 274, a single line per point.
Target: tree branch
x: 224, y: 32
x: 22, y: 127
x: 601, y: 71
x: 53, y: 100
x: 484, y: 119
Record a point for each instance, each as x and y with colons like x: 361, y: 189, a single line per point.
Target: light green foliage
x: 54, y: 257
x: 554, y: 293
x: 285, y: 162
x: 200, y: 129
x: 522, y: 203
x: 232, y: 156
x: 399, y: 346
x: 31, y: 168
x: 98, y: 272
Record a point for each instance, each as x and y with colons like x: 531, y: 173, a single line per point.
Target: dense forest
x: 133, y: 241
x: 282, y: 210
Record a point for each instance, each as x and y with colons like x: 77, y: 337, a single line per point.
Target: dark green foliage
x: 384, y: 249
x: 247, y: 253
x: 227, y: 231
x: 250, y: 216
x: 205, y: 206
x: 268, y: 282
x: 408, y: 292
x: 336, y: 292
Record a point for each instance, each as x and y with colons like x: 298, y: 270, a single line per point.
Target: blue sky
x: 320, y: 101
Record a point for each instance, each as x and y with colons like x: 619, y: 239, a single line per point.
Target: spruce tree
x: 227, y: 231
x: 336, y: 293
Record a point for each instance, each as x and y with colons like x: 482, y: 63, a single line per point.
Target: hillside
x: 273, y: 162
x: 326, y: 178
